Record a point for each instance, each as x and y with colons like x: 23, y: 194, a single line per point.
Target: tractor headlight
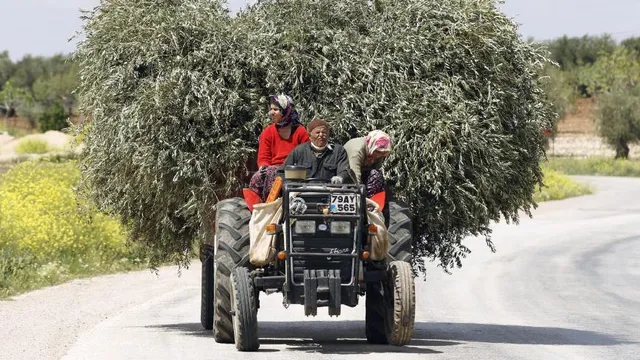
x: 340, y: 227
x: 305, y: 227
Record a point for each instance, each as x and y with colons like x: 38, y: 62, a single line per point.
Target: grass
x: 559, y: 186
x: 20, y: 274
x: 32, y: 146
x: 594, y: 166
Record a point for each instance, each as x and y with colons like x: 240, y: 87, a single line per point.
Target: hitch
x: 322, y: 288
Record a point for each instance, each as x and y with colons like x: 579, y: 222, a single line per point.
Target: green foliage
x: 632, y: 43
x: 54, y: 118
x: 177, y: 94
x: 58, y: 88
x: 570, y: 52
x: 44, y: 80
x: 620, y: 68
x: 594, y: 166
x: 560, y: 92
x: 13, y: 98
x: 48, y: 235
x: 6, y: 67
x: 558, y: 186
x: 618, y: 118
x: 27, y: 70
x: 32, y: 146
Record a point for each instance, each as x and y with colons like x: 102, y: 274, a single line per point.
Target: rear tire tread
x: 232, y: 237
x: 400, y: 233
x: 207, y: 288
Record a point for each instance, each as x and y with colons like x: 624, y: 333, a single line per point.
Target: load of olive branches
x: 176, y: 93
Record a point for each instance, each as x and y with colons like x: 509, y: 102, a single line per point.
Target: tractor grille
x: 325, y: 245
x: 323, y: 242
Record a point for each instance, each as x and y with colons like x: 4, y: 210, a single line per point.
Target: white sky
x: 43, y: 27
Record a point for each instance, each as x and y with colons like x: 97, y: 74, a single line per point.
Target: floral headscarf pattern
x: 285, y: 103
x: 378, y: 140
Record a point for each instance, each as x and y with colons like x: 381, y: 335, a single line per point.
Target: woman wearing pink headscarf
x: 366, y: 155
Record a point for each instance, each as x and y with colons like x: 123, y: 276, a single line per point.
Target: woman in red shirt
x: 276, y: 142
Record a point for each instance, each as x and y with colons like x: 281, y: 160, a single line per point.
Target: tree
x: 615, y: 80
x: 632, y: 43
x: 13, y: 98
x: 58, y: 87
x: 620, y: 68
x: 618, y: 115
x: 177, y: 94
x: 570, y: 52
x: 561, y: 93
x: 6, y: 67
x: 54, y: 118
x: 27, y: 70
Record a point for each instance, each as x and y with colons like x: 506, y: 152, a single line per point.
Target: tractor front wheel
x: 245, y: 311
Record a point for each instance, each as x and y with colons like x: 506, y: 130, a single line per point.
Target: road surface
x: 564, y: 285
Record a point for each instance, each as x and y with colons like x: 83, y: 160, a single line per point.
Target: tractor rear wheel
x: 232, y: 251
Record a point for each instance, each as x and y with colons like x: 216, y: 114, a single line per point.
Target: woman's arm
x: 356, y: 155
x: 343, y: 169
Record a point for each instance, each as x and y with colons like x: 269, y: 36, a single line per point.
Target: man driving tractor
x: 322, y: 159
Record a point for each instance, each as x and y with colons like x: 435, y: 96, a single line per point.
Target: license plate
x: 343, y: 204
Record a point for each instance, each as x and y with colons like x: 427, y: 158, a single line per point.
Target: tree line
x: 39, y: 89
x: 598, y: 67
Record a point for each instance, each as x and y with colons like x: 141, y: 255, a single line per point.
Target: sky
x: 43, y: 27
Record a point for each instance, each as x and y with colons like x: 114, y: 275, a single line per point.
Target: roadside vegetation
x: 32, y: 146
x: 48, y: 235
x: 598, y: 68
x: 559, y: 186
x: 594, y: 166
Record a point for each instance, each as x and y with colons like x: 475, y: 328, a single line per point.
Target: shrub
x: 54, y: 118
x: 558, y: 186
x: 594, y: 166
x: 48, y: 234
x: 32, y: 146
x: 41, y: 216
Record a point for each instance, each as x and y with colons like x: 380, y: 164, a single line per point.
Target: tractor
x: 320, y: 255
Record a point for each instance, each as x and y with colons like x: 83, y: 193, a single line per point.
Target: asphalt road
x: 564, y: 285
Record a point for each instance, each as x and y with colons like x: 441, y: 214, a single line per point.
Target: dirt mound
x: 4, y: 139
x: 55, y: 139
x: 580, y: 120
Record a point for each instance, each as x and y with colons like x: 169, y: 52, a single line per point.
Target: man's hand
x: 336, y: 180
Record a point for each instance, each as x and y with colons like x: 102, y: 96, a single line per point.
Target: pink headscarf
x: 378, y: 140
